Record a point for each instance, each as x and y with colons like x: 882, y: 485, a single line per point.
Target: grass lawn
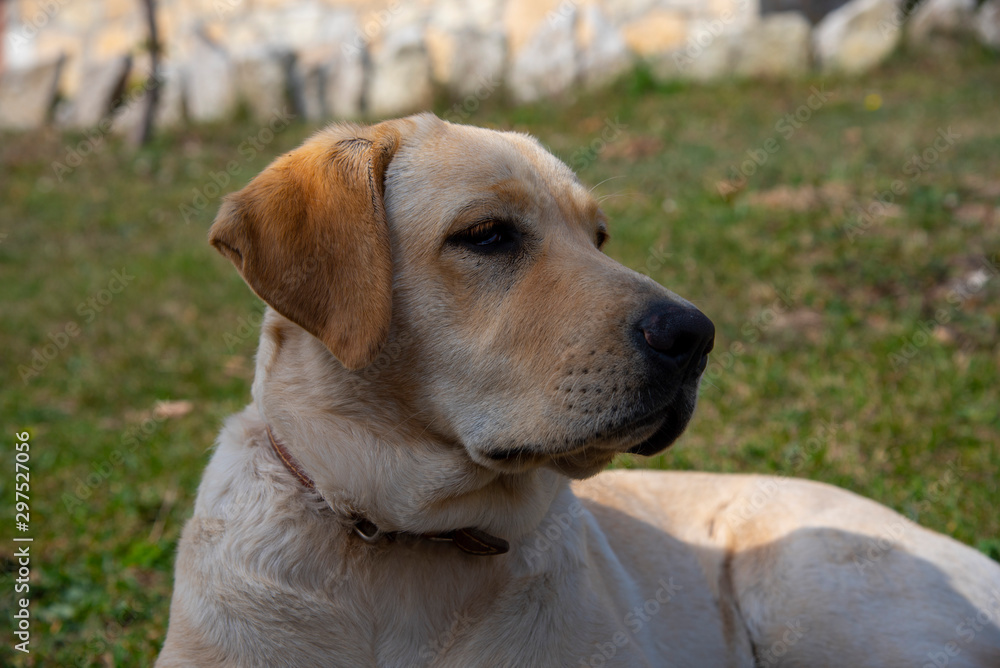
x: 840, y: 233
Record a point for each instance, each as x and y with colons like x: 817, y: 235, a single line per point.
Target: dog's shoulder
x: 258, y: 551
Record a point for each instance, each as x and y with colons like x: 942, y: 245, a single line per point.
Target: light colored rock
x: 331, y: 83
x: 707, y: 55
x: 171, y: 106
x: 25, y: 45
x: 263, y: 81
x: 309, y: 83
x: 484, y: 16
x: 857, y: 36
x: 330, y: 78
x: 27, y: 95
x: 948, y: 17
x: 441, y: 48
x: 547, y: 65
x: 344, y: 86
x: 477, y: 62
x: 340, y: 29
x: 621, y: 12
x: 76, y: 14
x: 209, y: 83
x: 777, y: 46
x: 382, y: 19
x: 101, y: 85
x: 296, y: 24
x: 604, y: 56
x: 738, y: 16
x: 118, y: 38
x: 659, y: 31
x: 117, y: 9
x: 243, y: 35
x: 401, y: 74
x: 986, y: 23
x: 476, y: 71
x: 522, y: 19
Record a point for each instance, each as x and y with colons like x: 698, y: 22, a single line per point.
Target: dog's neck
x: 470, y: 540
x: 368, y: 458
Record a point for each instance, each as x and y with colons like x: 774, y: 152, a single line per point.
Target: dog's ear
x: 309, y: 236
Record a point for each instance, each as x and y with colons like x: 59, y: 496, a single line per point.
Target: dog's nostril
x: 678, y: 332
x: 672, y: 345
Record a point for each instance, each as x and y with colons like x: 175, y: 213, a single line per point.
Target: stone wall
x: 345, y: 58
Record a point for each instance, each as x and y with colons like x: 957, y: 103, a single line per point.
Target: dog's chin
x: 580, y: 463
x: 583, y: 464
x: 646, y: 436
x: 646, y: 440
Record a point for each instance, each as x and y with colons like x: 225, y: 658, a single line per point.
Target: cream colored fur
x: 397, y: 425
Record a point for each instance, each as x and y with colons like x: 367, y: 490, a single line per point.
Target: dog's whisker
x: 610, y: 178
x: 407, y: 419
x: 610, y: 195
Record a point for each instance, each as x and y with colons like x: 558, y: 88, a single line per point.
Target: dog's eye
x: 488, y: 237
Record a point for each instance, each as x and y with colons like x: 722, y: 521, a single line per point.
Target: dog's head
x: 456, y: 276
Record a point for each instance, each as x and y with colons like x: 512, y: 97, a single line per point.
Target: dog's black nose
x: 681, y: 334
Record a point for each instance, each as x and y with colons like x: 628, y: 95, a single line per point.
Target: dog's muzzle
x: 675, y: 341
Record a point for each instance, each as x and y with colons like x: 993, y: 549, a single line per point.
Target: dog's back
x: 819, y: 576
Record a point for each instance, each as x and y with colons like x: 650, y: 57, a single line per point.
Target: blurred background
x: 821, y: 178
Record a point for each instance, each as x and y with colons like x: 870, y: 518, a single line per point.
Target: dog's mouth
x: 646, y: 434
x: 674, y: 420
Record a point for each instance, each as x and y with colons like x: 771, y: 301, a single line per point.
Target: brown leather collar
x: 470, y: 540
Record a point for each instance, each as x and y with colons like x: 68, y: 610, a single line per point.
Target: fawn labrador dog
x: 447, y: 363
